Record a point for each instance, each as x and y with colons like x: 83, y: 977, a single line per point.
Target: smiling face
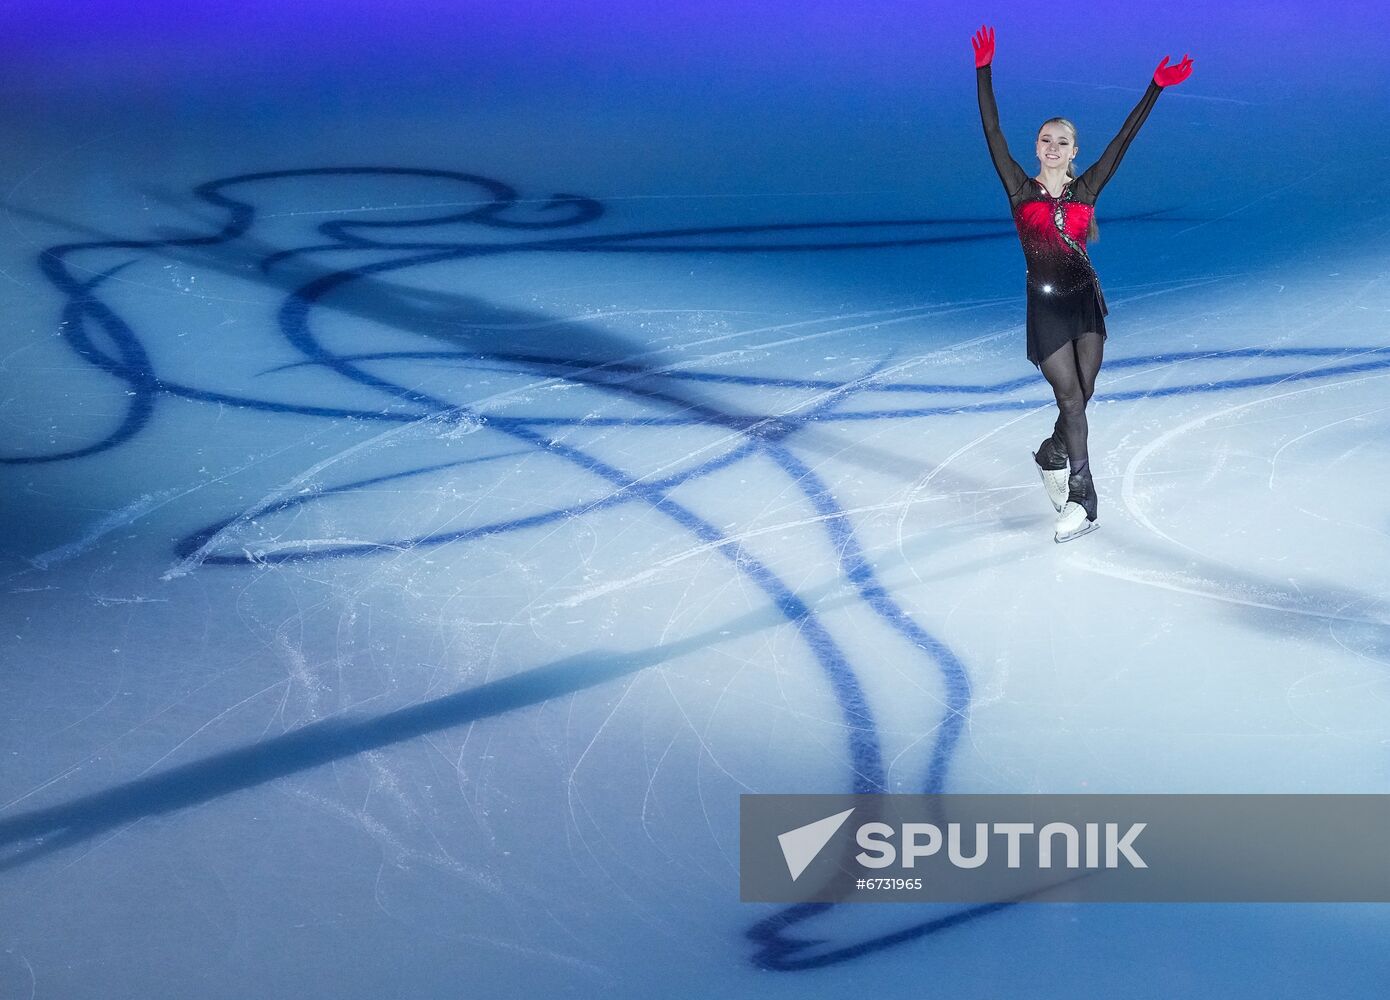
x: 1056, y: 144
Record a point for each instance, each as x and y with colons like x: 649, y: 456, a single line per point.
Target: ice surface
x: 415, y: 546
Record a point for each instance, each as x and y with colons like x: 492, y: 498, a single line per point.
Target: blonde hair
x: 1093, y: 232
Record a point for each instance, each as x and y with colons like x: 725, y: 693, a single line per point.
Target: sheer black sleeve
x: 1100, y: 172
x: 1010, y: 172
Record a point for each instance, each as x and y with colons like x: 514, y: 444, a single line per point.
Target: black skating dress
x: 1064, y: 296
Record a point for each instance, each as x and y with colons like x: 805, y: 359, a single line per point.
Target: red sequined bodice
x: 1053, y: 234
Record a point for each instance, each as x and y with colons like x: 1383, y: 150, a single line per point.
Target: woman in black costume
x: 1055, y: 214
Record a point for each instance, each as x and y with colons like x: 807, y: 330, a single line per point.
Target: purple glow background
x: 1243, y: 49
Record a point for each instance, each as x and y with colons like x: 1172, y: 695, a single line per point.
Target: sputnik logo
x: 800, y: 846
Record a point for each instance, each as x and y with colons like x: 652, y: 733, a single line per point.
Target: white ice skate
x: 1078, y: 515
x: 1051, y: 460
x: 1072, y: 522
x: 1055, y: 482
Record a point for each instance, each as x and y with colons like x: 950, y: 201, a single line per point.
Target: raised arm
x: 1100, y: 172
x: 1010, y: 172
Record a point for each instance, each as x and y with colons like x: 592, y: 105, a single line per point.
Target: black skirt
x: 1055, y: 320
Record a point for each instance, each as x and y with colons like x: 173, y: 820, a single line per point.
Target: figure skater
x: 1055, y: 215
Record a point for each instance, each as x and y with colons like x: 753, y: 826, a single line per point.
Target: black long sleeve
x: 1100, y: 172
x: 1013, y: 176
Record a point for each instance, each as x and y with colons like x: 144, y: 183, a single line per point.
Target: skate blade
x: 1085, y: 529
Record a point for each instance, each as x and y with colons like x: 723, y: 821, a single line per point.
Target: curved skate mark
x: 857, y: 569
x: 186, y: 547
x: 1128, y: 491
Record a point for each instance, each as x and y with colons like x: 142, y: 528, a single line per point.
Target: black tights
x: 1071, y: 371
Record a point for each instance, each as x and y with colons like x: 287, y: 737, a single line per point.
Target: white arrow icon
x: 800, y: 846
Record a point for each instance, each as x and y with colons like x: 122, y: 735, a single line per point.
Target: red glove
x: 1167, y: 76
x: 983, y: 40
